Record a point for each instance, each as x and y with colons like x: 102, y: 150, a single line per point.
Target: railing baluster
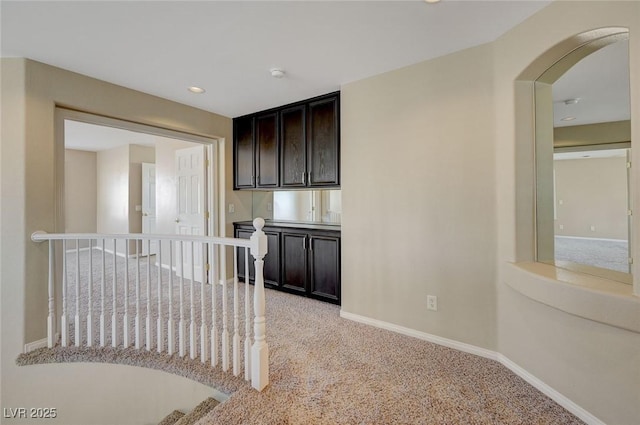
x: 236, y: 317
x: 51, y: 318
x: 247, y: 318
x: 159, y: 324
x: 204, y: 341
x: 125, y: 318
x: 78, y: 332
x: 214, y: 289
x: 102, y: 299
x: 114, y: 312
x: 170, y: 330
x: 63, y: 318
x: 192, y: 325
x: 182, y: 327
x: 137, y: 319
x: 260, y: 349
x: 90, y: 297
x: 225, y: 330
x: 211, y: 254
x: 148, y: 321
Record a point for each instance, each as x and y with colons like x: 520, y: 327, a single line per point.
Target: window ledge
x: 590, y: 297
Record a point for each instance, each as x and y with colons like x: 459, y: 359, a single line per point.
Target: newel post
x: 260, y: 349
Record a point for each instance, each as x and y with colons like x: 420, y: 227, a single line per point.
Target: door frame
x: 215, y: 170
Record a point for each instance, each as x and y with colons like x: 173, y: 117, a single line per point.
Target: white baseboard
x: 118, y: 254
x: 592, y: 239
x: 41, y: 343
x: 460, y: 346
x: 72, y: 250
x: 562, y: 400
x: 550, y: 392
x: 30, y: 346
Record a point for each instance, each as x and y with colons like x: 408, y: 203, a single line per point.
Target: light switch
x: 232, y: 208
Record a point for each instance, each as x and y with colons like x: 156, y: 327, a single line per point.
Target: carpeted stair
x: 178, y: 418
x: 172, y: 418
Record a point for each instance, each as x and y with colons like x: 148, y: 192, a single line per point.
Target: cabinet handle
x: 304, y: 243
x: 310, y: 244
x: 309, y: 177
x: 304, y: 178
x: 253, y: 180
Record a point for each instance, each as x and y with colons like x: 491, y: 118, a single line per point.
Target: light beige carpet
x: 328, y: 370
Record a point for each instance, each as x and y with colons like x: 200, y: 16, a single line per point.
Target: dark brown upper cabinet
x: 267, y: 156
x: 293, y: 142
x: 243, y: 154
x: 323, y: 142
x: 294, y: 146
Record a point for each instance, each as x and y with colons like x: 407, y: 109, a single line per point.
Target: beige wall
x: 80, y: 191
x: 418, y: 198
x: 591, y: 192
x: 113, y: 190
x: 596, y: 366
x: 438, y: 189
x: 30, y: 93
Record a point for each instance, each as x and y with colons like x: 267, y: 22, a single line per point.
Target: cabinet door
x: 293, y: 146
x: 243, y: 153
x: 294, y: 262
x: 244, y: 234
x: 323, y: 135
x: 267, y: 152
x: 271, y: 270
x: 272, y: 259
x: 324, y: 254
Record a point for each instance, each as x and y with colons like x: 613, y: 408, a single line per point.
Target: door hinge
x: 207, y: 215
x: 629, y: 212
x: 208, y: 266
x: 208, y: 163
x: 630, y: 260
x: 629, y: 164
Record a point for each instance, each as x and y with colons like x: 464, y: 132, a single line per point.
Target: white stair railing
x: 87, y: 274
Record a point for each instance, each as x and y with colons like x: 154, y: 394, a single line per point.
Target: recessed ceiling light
x: 196, y: 90
x: 277, y: 73
x: 567, y: 119
x: 431, y: 1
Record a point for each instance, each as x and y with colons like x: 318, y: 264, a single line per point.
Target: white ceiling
x: 90, y: 137
x: 228, y: 48
x: 600, y: 82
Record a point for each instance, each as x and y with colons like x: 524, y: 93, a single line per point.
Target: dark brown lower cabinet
x: 300, y: 260
x: 271, y: 270
x: 294, y: 262
x: 324, y: 267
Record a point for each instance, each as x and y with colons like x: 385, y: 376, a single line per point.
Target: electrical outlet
x: 432, y: 302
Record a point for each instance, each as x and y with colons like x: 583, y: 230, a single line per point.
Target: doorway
x: 123, y: 178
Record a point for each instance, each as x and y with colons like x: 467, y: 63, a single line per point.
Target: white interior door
x: 149, y: 206
x: 191, y: 207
